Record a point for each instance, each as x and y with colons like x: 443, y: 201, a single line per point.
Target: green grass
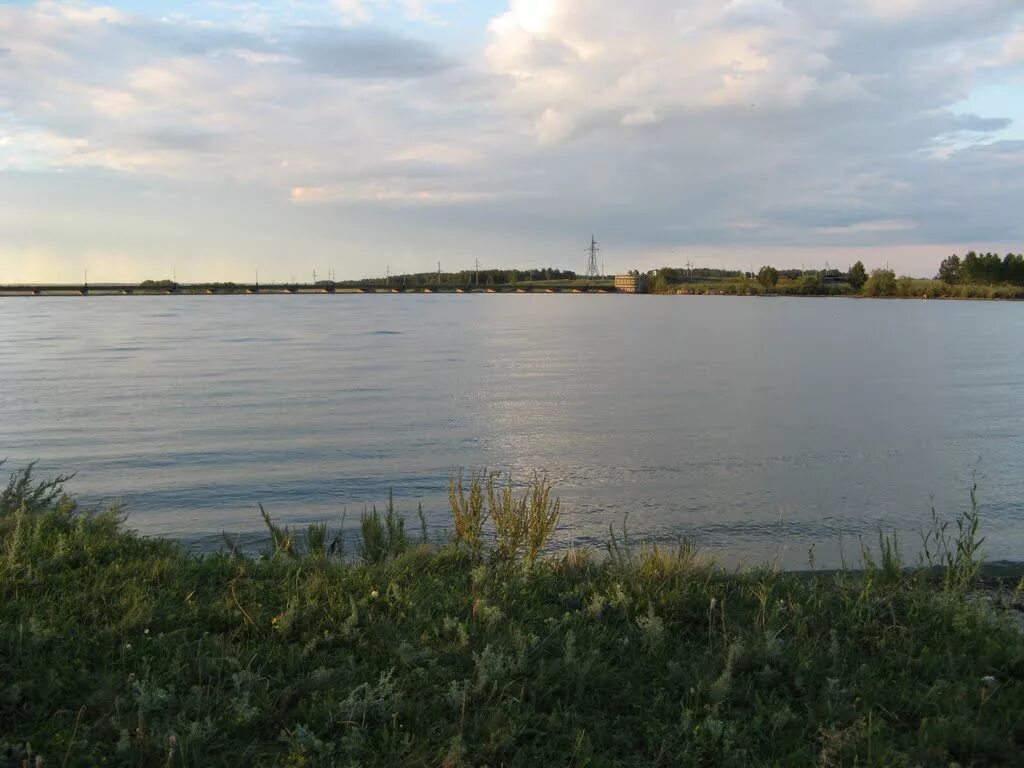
x: 936, y: 289
x: 902, y: 287
x: 750, y: 287
x: 118, y: 650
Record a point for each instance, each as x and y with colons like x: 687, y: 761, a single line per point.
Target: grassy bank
x: 894, y: 287
x: 754, y: 288
x: 116, y: 650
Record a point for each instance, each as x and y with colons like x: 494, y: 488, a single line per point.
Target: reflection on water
x: 760, y: 427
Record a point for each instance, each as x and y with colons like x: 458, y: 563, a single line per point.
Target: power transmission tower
x: 592, y: 268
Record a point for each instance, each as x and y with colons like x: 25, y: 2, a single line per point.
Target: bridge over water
x: 125, y: 289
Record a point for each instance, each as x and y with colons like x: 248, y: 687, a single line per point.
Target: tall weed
x: 384, y: 537
x: 523, y: 522
x: 467, y: 507
x: 959, y: 554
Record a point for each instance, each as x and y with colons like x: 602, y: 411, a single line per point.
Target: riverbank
x: 897, y: 288
x: 478, y: 650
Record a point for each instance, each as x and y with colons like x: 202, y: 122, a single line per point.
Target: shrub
x: 811, y: 285
x: 881, y: 283
x: 768, y: 277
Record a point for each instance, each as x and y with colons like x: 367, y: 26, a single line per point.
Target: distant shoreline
x: 37, y: 292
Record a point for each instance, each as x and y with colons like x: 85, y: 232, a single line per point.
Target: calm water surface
x: 759, y: 427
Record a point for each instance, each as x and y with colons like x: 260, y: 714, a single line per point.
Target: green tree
x: 970, y: 268
x: 1013, y: 269
x: 881, y: 283
x: 857, y: 276
x: 949, y: 269
x: 768, y: 277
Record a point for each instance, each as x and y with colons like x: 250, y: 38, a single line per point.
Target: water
x: 759, y: 427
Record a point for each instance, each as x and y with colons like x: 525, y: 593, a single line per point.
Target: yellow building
x: 630, y: 284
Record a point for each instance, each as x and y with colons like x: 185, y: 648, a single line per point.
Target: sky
x: 209, y: 139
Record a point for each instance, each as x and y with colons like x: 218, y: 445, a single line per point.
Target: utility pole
x: 314, y: 277
x: 592, y: 261
x: 439, y: 274
x: 478, y: 273
x: 387, y: 277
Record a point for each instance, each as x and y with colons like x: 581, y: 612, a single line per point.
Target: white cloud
x: 1012, y: 51
x: 877, y: 225
x: 634, y: 61
x: 381, y: 192
x: 437, y: 154
x: 354, y: 11
x: 670, y: 123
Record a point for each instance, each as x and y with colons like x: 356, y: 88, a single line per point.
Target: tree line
x: 982, y: 268
x: 976, y: 275
x: 463, y: 278
x: 967, y: 274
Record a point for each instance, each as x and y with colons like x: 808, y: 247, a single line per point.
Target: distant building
x: 630, y: 283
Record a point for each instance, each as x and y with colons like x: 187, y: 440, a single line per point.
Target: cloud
x: 877, y: 225
x: 437, y: 154
x: 629, y: 63
x: 911, y: 11
x: 200, y: 102
x: 184, y: 139
x: 384, y: 192
x: 354, y: 11
x: 362, y: 53
x: 707, y: 113
x: 661, y: 124
x: 977, y: 124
